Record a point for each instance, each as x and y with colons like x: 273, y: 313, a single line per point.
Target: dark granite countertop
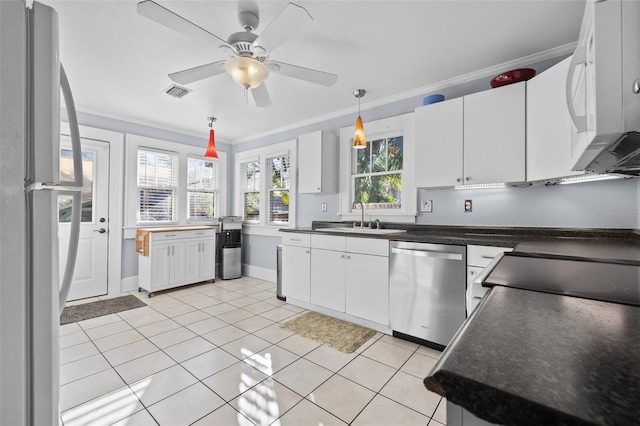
x: 531, y: 358
x: 605, y: 243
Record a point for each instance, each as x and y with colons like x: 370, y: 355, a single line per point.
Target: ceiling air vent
x: 176, y: 91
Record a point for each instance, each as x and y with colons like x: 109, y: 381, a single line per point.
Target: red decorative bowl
x: 513, y: 76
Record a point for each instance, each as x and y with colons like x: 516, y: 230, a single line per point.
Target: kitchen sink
x: 369, y: 231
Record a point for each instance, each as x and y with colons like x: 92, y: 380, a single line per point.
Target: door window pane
x: 67, y: 175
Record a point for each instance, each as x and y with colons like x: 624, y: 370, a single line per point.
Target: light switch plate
x: 426, y: 206
x: 324, y: 207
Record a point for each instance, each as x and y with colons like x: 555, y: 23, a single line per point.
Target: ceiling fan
x: 249, y: 63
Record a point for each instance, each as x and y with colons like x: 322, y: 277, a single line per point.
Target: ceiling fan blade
x: 289, y: 22
x: 301, y: 73
x: 198, y: 73
x: 163, y: 16
x: 261, y: 96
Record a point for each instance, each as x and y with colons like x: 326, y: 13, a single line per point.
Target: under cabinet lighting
x: 592, y: 177
x: 480, y: 186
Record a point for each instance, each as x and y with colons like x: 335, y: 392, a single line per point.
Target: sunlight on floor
x: 259, y: 404
x: 106, y: 409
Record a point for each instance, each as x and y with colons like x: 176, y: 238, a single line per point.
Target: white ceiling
x: 118, y: 61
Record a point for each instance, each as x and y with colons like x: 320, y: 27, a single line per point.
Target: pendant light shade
x: 359, y: 139
x: 247, y: 72
x: 211, y: 148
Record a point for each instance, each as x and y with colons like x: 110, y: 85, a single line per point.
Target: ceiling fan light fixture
x: 359, y: 139
x: 247, y: 72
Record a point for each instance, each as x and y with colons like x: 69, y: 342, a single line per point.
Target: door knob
x: 101, y: 230
x: 636, y: 86
x: 102, y: 220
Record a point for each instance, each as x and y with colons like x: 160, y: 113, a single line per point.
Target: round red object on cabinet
x: 513, y: 76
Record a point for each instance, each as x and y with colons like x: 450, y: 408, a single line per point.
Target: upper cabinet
x: 494, y: 135
x: 549, y: 127
x: 439, y: 143
x: 317, y: 158
x: 479, y: 138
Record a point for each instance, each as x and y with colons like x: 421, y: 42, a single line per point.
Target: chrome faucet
x: 377, y: 223
x: 353, y: 206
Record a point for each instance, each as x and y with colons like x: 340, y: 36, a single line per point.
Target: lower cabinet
x: 351, y: 275
x: 296, y: 266
x: 177, y: 258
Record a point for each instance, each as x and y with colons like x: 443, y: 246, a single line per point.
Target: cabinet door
x: 192, y: 261
x: 310, y: 163
x: 207, y: 260
x: 367, y: 287
x: 328, y: 279
x: 549, y: 127
x: 160, y: 265
x: 439, y: 141
x: 494, y: 135
x: 296, y: 272
x: 177, y: 269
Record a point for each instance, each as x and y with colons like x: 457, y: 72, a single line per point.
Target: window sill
x: 384, y: 215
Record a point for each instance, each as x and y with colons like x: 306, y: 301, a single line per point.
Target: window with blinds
x: 251, y: 191
x: 278, y: 186
x: 203, y: 189
x: 377, y: 173
x: 157, y: 186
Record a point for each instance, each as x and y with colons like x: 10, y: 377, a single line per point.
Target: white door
x: 90, y: 273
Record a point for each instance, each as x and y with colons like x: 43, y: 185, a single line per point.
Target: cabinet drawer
x: 482, y: 255
x: 368, y: 246
x: 293, y: 239
x: 328, y: 242
x: 175, y: 235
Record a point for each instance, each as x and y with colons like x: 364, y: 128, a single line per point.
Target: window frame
x: 132, y: 143
x: 270, y: 189
x: 215, y: 191
x: 173, y: 188
x: 263, y: 154
x: 401, y: 125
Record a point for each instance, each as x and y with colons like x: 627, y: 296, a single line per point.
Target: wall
x: 604, y: 204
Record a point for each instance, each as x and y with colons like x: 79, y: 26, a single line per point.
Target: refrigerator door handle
x: 72, y: 252
x: 76, y: 204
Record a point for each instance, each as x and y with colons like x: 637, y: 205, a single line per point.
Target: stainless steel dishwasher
x: 427, y: 291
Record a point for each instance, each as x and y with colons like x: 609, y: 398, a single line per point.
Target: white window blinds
x: 157, y: 186
x: 279, y: 183
x: 203, y: 188
x: 251, y: 191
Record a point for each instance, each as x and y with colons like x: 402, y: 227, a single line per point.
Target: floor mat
x: 341, y: 335
x: 87, y: 311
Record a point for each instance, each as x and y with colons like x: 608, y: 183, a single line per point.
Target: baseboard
x: 129, y: 284
x: 265, y: 274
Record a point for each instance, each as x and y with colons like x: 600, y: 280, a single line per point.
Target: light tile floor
x: 214, y: 354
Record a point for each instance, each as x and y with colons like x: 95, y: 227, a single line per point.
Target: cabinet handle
x: 295, y: 239
x: 484, y: 256
x: 307, y: 251
x: 348, y: 257
x: 199, y: 233
x: 467, y: 179
x: 458, y: 180
x: 342, y: 256
x: 472, y: 272
x: 173, y: 250
x: 170, y: 235
x: 168, y: 250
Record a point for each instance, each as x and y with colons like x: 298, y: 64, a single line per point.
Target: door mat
x: 87, y: 311
x: 341, y: 335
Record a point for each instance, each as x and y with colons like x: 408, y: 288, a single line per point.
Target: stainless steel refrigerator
x: 31, y: 294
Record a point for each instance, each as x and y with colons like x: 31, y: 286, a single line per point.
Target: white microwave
x: 603, y: 83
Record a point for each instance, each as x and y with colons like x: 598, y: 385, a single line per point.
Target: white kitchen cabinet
x: 479, y: 257
x: 367, y: 288
x: 176, y: 257
x: 494, y: 135
x: 549, y: 126
x: 317, y: 159
x: 328, y: 278
x: 439, y: 143
x: 296, y: 266
x: 351, y: 275
x: 479, y: 138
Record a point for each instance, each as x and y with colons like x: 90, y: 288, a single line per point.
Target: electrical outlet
x: 467, y: 205
x: 426, y: 206
x: 324, y: 207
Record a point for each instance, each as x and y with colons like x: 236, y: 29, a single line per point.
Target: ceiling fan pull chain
x: 246, y: 95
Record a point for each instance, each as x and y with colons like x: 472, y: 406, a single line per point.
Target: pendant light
x: 211, y: 148
x: 359, y: 140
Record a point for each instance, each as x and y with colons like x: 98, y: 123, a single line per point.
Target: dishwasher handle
x: 427, y: 253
